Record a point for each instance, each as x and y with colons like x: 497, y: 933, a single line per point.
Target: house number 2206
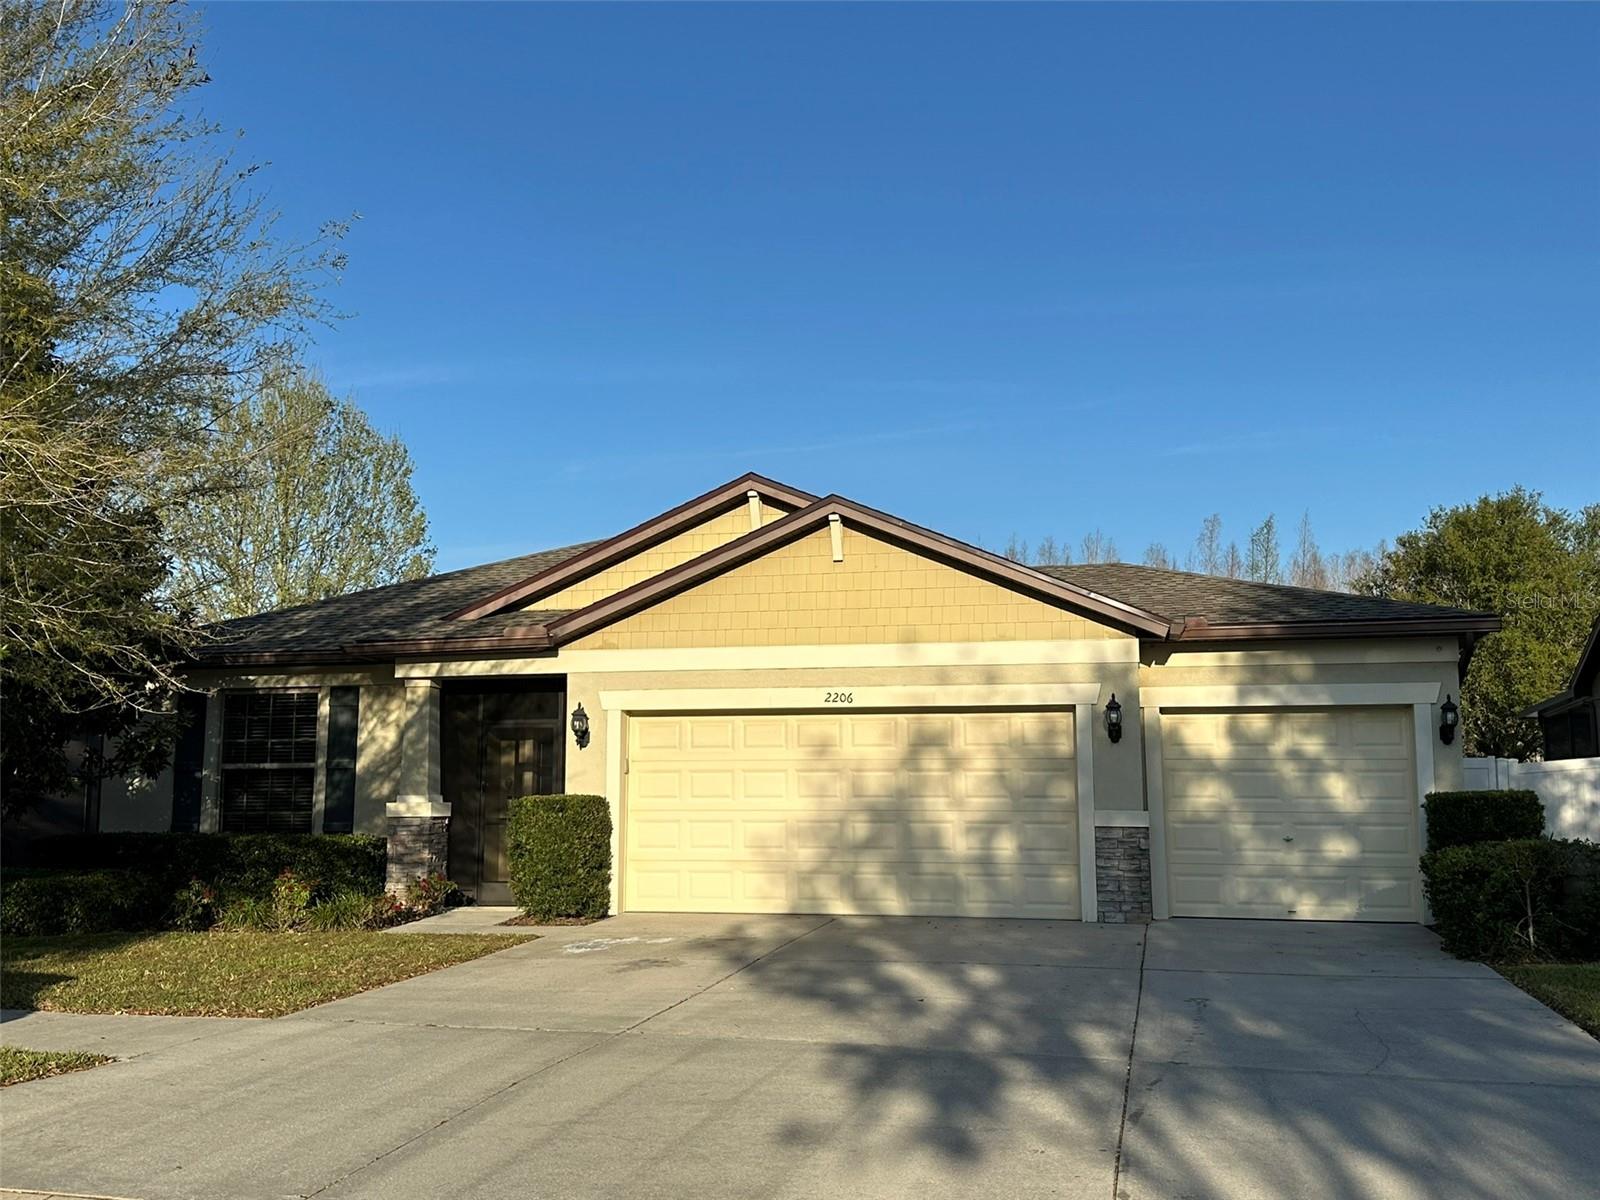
x: 838, y: 697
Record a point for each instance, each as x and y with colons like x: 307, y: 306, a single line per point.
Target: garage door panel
x: 916, y: 813
x: 1291, y: 814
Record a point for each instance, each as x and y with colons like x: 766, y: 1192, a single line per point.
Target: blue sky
x: 996, y: 269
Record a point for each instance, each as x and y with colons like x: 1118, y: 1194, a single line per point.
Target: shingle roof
x: 424, y: 608
x: 1177, y: 595
x: 420, y: 608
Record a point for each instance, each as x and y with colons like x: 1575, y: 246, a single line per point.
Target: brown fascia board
x: 529, y: 637
x: 340, y: 655
x: 631, y: 541
x: 797, y: 524
x: 532, y: 638
x: 1194, y: 630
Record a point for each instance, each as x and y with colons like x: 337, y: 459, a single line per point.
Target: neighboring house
x: 800, y: 704
x: 1569, y: 721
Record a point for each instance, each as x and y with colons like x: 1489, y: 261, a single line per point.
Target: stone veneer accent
x: 1122, y: 873
x: 417, y: 846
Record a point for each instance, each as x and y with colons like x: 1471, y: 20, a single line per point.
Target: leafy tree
x: 1262, y: 563
x: 327, y: 507
x: 1536, y: 566
x: 140, y: 282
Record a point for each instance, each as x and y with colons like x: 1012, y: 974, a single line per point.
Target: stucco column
x: 420, y: 739
x: 418, y: 817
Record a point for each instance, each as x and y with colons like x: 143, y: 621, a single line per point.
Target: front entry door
x: 518, y: 760
x: 499, y: 744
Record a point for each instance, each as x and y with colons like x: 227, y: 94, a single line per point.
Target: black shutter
x: 188, y: 765
x: 344, y: 718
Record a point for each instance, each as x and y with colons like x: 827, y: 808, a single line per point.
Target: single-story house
x: 801, y: 704
x: 1569, y: 722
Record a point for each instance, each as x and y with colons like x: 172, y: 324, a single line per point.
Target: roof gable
x: 691, y: 543
x: 537, y: 590
x: 870, y: 591
x: 980, y: 564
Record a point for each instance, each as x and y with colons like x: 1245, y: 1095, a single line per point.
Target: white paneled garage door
x: 1301, y: 814
x: 928, y: 813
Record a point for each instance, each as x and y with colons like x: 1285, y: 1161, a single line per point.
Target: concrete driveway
x: 657, y: 1056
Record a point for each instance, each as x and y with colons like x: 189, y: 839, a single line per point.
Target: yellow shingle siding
x: 691, y: 543
x: 880, y: 593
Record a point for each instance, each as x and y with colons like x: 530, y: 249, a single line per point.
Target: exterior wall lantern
x: 580, y: 727
x: 1449, y: 718
x: 1114, y: 719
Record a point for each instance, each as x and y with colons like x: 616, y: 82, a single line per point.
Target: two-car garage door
x: 1307, y: 813
x: 1291, y: 814
x: 926, y: 813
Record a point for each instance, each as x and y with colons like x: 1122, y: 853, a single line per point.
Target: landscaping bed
x: 1572, y: 989
x: 242, y: 974
x: 18, y: 1065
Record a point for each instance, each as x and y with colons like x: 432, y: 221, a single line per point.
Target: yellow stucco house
x: 799, y: 704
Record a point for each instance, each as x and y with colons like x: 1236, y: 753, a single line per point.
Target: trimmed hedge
x: 560, y: 850
x: 235, y: 864
x: 1531, y: 898
x: 37, y: 903
x: 1461, y: 818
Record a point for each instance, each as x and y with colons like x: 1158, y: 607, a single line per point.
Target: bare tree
x: 1207, y: 555
x: 1353, y: 570
x: 1098, y: 548
x: 1232, y: 563
x: 1050, y: 554
x: 1016, y: 549
x: 1307, y: 567
x: 1262, y: 563
x: 1155, y: 555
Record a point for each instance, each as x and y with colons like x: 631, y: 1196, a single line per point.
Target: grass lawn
x: 219, y: 974
x: 19, y: 1066
x: 1572, y: 989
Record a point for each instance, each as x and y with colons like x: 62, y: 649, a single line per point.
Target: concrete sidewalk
x: 114, y: 1035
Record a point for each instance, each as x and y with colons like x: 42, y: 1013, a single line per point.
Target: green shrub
x: 1461, y: 818
x: 235, y: 864
x: 291, y: 901
x: 429, y: 894
x: 245, y: 912
x: 351, y: 910
x: 1512, y: 901
x: 194, y: 907
x: 52, y: 902
x: 560, y: 849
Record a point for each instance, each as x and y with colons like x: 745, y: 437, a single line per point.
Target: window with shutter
x: 269, y: 761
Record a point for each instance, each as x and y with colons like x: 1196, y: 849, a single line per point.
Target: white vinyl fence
x: 1569, y: 787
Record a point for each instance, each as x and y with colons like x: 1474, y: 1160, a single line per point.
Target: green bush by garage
x: 1523, y: 900
x: 560, y: 851
x: 1494, y: 815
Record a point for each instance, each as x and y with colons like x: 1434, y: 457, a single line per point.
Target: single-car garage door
x: 927, y: 813
x: 1306, y: 814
